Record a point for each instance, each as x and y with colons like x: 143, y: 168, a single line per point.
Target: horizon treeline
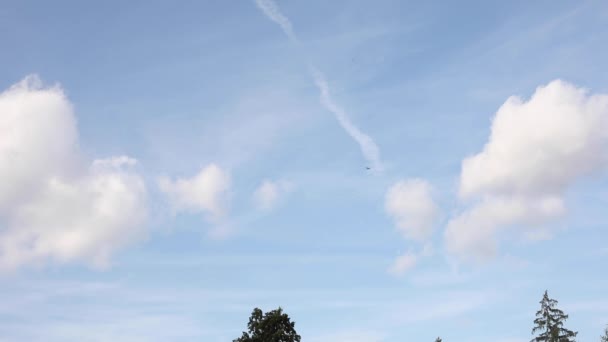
x: 275, y: 326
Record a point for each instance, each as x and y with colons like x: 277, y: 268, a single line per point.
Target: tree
x: 604, y: 338
x: 549, y: 323
x: 438, y: 339
x: 274, y: 326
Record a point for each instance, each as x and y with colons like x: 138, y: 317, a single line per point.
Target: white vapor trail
x: 366, y: 143
x: 273, y: 12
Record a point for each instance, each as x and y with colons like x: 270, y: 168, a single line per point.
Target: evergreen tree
x: 549, y: 323
x: 604, y: 338
x: 438, y: 339
x: 274, y: 326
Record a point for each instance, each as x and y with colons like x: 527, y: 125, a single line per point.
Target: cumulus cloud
x: 410, y: 204
x: 536, y: 150
x: 269, y: 193
x: 52, y: 206
x: 403, y: 263
x: 206, y: 192
x: 474, y: 232
x: 38, y: 136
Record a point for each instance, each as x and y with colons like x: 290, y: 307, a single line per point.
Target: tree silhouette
x: 274, y: 326
x: 549, y: 323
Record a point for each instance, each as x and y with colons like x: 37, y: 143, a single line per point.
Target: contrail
x: 273, y: 13
x: 366, y: 143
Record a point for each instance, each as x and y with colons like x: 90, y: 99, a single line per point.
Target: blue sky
x: 167, y: 167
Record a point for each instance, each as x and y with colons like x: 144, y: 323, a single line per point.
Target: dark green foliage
x: 274, y: 326
x: 604, y: 338
x: 438, y: 339
x: 549, y: 323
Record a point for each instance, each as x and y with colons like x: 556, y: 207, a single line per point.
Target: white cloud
x: 473, y: 233
x: 206, y: 192
x: 410, y: 204
x: 540, y: 146
x: 84, y: 218
x: 269, y: 193
x: 403, y: 263
x: 38, y: 136
x: 536, y: 150
x: 52, y: 206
